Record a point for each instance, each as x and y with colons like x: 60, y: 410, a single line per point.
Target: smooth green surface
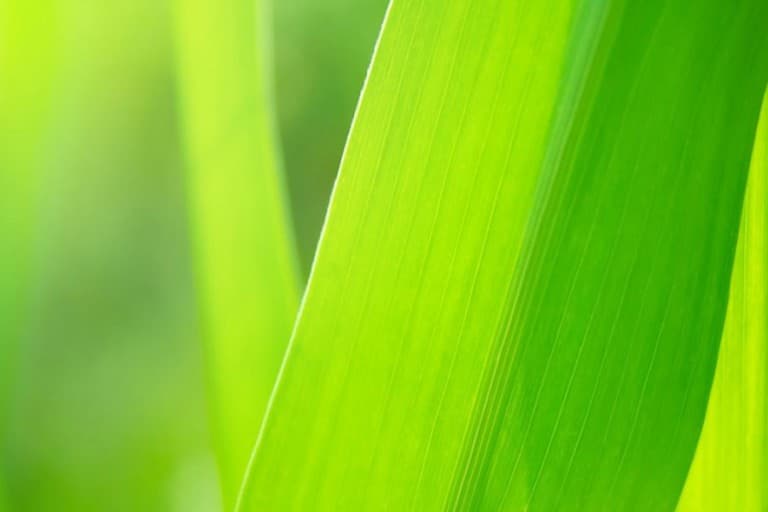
x: 107, y: 408
x: 730, y: 469
x: 522, y: 280
x: 322, y: 50
x: 27, y: 65
x: 247, y: 286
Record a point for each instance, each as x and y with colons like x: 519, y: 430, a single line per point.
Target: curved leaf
x: 729, y: 470
x: 521, y: 284
x: 245, y: 255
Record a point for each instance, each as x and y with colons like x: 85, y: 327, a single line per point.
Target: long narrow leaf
x: 522, y: 280
x: 730, y: 471
x: 245, y: 255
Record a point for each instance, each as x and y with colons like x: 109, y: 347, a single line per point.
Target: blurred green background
x: 106, y: 403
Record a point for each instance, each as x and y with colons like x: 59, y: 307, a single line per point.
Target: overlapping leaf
x: 520, y: 289
x: 245, y: 256
x: 730, y: 471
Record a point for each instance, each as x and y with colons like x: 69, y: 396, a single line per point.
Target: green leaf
x: 521, y: 284
x: 729, y: 470
x: 246, y: 275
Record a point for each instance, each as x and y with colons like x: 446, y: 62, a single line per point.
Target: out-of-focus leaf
x: 729, y: 470
x: 106, y: 408
x: 521, y: 284
x: 27, y: 65
x: 245, y: 262
x: 322, y: 49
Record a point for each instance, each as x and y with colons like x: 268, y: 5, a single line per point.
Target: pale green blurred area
x: 321, y: 56
x: 107, y: 401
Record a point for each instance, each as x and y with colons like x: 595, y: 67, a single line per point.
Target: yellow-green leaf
x: 247, y: 284
x: 522, y: 280
x: 730, y: 469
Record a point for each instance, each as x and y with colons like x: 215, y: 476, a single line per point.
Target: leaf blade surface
x: 245, y: 261
x: 501, y: 300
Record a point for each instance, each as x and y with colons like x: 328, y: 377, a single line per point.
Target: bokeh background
x: 106, y: 407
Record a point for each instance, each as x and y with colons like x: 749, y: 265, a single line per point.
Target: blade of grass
x: 244, y: 247
x: 522, y: 279
x: 397, y: 258
x: 620, y: 309
x: 729, y: 470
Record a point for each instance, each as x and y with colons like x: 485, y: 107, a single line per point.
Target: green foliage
x: 105, y: 409
x: 521, y: 284
x: 26, y: 65
x: 27, y: 62
x: 245, y: 262
x: 531, y: 292
x: 729, y: 471
x: 322, y: 49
